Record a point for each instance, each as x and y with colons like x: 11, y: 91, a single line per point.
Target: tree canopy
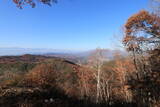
x: 142, y: 39
x: 142, y: 31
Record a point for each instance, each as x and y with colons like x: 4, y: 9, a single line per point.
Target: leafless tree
x: 96, y: 61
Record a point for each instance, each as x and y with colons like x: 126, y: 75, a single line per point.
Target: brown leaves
x: 143, y: 21
x: 140, y: 30
x: 142, y: 38
x: 41, y: 75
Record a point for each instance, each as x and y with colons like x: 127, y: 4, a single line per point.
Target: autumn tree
x: 142, y: 40
x: 87, y: 83
x: 122, y: 68
x: 41, y: 76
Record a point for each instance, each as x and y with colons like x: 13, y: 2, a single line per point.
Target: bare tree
x: 96, y: 61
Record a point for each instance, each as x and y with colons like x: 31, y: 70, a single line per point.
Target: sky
x: 67, y: 25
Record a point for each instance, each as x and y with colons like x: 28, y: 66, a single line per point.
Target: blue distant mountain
x: 35, y: 51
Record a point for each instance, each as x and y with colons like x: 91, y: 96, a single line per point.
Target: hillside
x: 32, y: 79
x: 43, y: 81
x: 27, y: 58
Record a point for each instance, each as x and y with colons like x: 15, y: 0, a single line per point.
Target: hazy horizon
x: 40, y: 51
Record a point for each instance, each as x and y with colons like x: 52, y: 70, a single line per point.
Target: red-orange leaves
x: 141, y: 29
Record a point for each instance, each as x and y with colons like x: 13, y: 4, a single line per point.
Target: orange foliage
x: 142, y: 38
x: 140, y: 28
x: 87, y: 82
x: 123, y: 69
x: 41, y: 75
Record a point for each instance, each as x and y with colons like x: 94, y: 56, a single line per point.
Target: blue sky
x: 68, y: 25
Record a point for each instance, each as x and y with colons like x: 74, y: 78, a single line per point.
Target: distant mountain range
x: 83, y: 56
x: 73, y: 56
x: 35, y: 51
